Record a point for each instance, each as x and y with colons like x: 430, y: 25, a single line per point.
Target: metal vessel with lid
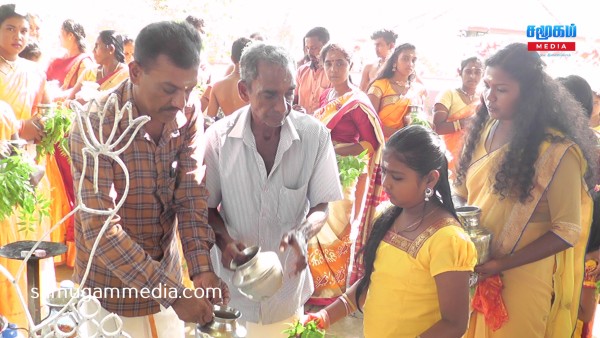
x: 224, y: 324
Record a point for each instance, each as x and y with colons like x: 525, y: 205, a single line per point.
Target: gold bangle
x: 352, y: 307
x: 457, y: 126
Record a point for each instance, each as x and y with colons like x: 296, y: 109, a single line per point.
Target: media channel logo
x: 544, y: 32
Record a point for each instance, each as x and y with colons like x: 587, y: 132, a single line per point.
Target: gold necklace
x: 413, y: 225
x: 117, y: 66
x: 401, y: 83
x: 471, y: 97
x: 11, y: 64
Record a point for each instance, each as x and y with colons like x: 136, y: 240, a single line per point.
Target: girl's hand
x: 321, y: 318
x: 488, y: 269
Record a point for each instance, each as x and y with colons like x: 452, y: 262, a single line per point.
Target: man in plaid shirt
x: 138, y: 252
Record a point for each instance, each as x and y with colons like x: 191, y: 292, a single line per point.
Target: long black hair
x: 543, y: 104
x: 421, y: 150
x: 387, y: 71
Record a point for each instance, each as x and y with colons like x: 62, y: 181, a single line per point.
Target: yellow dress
x: 402, y: 299
x: 542, y: 297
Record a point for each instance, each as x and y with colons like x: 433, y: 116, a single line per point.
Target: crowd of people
x: 511, y: 140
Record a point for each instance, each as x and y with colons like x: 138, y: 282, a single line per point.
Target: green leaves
x: 57, y: 124
x: 309, y: 330
x: 350, y: 167
x: 18, y: 192
x: 417, y: 119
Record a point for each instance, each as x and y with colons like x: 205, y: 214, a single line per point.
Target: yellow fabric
x: 565, y: 209
x: 457, y: 110
x: 393, y: 106
x: 83, y: 70
x: 22, y: 88
x: 402, y: 299
x: 115, y: 79
x: 8, y: 122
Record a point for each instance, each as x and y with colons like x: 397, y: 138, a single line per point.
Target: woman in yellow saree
x: 110, y: 56
x: 22, y: 88
x: 528, y: 162
x: 454, y: 108
x: 354, y: 126
x: 394, y: 89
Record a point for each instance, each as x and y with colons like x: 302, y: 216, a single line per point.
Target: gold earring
x: 394, y: 68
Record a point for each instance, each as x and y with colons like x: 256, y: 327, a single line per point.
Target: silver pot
x: 224, y: 324
x: 480, y: 236
x: 260, y: 277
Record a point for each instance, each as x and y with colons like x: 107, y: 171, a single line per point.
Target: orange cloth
x: 488, y: 300
x: 393, y: 107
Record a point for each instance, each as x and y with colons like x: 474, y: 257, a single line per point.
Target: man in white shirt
x: 272, y: 170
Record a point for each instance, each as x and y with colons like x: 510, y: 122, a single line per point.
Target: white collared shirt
x: 259, y: 209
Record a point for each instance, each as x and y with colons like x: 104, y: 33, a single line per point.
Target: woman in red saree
x: 75, y: 67
x: 355, y: 127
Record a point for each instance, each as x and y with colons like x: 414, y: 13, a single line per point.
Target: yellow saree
x: 542, y: 297
x: 22, y: 88
x: 457, y: 110
x: 113, y: 80
x: 329, y: 253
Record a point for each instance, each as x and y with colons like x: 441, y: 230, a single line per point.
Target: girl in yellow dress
x: 418, y: 259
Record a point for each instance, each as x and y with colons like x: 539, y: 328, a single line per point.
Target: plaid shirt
x: 139, y: 248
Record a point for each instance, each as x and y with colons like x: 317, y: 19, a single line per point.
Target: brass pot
x: 224, y: 324
x: 260, y: 277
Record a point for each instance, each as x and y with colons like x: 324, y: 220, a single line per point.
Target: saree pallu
x: 457, y: 110
x: 113, y: 80
x: 331, y: 252
x: 68, y: 71
x: 22, y: 88
x: 542, y: 297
